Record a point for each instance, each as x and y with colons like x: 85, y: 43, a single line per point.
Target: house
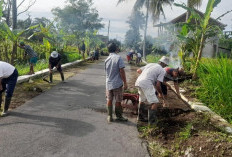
x: 211, y: 48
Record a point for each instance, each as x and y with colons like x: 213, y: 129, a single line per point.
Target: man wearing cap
x: 32, y: 54
x: 8, y: 80
x: 55, y: 61
x: 151, y: 75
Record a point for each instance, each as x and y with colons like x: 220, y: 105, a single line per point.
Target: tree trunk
x: 14, y: 51
x: 145, y: 31
x: 14, y: 26
x: 187, y: 13
x: 6, y: 53
x: 14, y: 14
x: 8, y: 13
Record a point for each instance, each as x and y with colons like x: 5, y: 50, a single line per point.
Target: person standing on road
x: 55, y: 61
x: 32, y: 54
x: 83, y: 50
x: 138, y: 58
x: 8, y: 80
x: 96, y: 54
x: 150, y: 75
x: 115, y: 80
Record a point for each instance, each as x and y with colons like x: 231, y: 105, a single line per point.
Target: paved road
x: 67, y: 122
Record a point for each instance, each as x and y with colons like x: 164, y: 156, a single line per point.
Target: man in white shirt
x: 151, y: 75
x: 8, y: 80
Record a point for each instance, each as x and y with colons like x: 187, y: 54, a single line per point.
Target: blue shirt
x: 113, y: 64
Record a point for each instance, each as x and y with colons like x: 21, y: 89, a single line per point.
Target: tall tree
x: 11, y: 10
x: 14, y: 14
x: 136, y: 23
x: 193, y: 4
x: 156, y: 9
x: 78, y: 17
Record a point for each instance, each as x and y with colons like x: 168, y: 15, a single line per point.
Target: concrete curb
x: 200, y: 107
x: 26, y: 78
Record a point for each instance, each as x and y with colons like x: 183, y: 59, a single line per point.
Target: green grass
x: 186, y: 132
x: 23, y: 69
x: 216, y: 85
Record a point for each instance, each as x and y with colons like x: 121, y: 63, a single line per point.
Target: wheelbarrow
x: 131, y: 101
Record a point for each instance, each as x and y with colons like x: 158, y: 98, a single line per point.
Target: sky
x: 118, y: 14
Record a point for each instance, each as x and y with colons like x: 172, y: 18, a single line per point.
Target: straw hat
x: 164, y: 60
x: 54, y: 54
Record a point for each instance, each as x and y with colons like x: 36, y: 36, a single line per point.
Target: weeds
x: 186, y: 132
x: 146, y: 131
x: 157, y: 150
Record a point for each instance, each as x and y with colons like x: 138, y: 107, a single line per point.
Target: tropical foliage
x: 193, y: 36
x: 77, y: 21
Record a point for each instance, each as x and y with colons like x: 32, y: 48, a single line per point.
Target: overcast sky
x: 108, y: 10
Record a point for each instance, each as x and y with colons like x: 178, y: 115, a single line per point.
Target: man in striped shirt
x: 32, y: 54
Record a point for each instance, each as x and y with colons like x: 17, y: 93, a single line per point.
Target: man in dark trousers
x: 115, y: 80
x: 55, y: 61
x: 32, y: 54
x: 83, y: 50
x: 8, y: 80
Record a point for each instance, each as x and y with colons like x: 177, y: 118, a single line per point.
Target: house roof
x: 182, y: 19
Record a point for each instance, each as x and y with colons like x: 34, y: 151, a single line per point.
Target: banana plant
x: 205, y: 29
x: 47, y: 46
x: 201, y: 31
x: 44, y: 32
x: 13, y: 36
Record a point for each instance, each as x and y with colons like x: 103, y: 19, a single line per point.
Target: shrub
x: 153, y: 58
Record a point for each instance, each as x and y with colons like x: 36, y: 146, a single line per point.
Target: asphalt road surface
x: 67, y: 122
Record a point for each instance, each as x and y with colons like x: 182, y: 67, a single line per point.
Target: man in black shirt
x: 83, y: 50
x: 55, y: 61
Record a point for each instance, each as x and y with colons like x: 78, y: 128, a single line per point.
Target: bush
x: 69, y: 57
x: 153, y: 58
x: 104, y: 52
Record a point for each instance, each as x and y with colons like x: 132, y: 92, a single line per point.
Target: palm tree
x: 156, y: 9
x: 193, y: 4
